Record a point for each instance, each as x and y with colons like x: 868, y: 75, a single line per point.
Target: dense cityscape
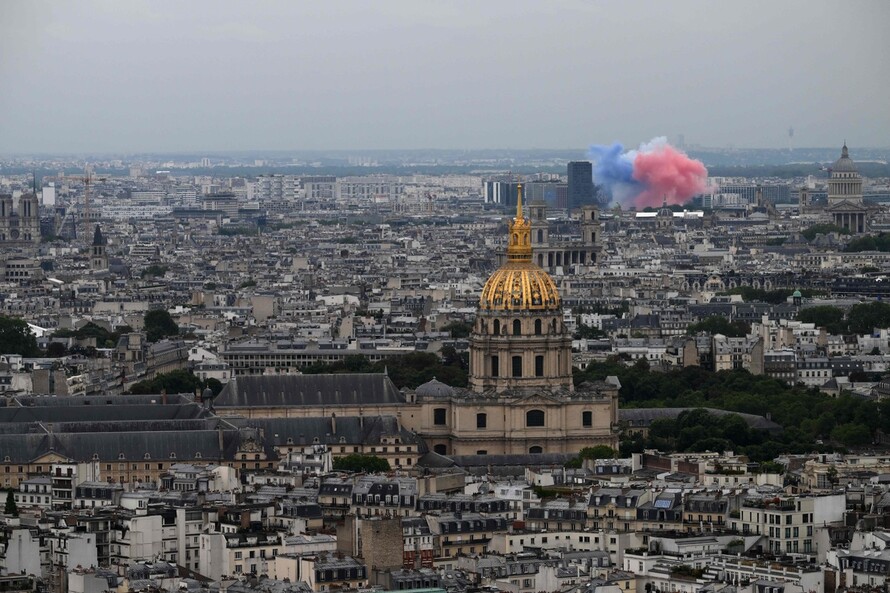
x: 475, y: 379
x: 428, y: 297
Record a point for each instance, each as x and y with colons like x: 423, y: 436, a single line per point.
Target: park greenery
x: 806, y: 415
x: 717, y: 324
x: 361, y: 463
x: 823, y: 229
x: 861, y: 318
x: 408, y: 370
x: 158, y: 324
x: 154, y: 270
x: 594, y: 453
x: 16, y: 337
x: 104, y: 338
x: 879, y: 242
x: 178, y: 381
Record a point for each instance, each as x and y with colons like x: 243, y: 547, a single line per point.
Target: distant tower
x: 790, y: 138
x: 581, y: 190
x: 590, y: 235
x: 98, y: 256
x: 21, y: 225
x: 540, y: 227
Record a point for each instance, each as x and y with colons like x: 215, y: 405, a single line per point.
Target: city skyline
x: 139, y: 77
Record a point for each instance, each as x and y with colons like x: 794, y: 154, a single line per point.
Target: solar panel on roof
x: 662, y: 504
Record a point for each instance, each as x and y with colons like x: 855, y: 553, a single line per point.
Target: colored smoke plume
x: 647, y: 176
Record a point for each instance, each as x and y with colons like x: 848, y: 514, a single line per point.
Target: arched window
x: 538, y: 327
x: 440, y: 449
x: 534, y: 418
x: 517, y: 366
x: 536, y: 450
x: 517, y: 327
x: 497, y: 327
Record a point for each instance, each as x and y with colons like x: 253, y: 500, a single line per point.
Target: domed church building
x: 520, y: 398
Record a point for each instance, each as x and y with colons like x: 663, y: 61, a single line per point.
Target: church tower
x: 98, y: 256
x: 519, y: 340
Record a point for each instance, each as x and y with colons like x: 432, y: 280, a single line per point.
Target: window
x: 538, y: 327
x: 517, y: 327
x: 481, y: 420
x: 539, y: 365
x: 535, y: 450
x: 495, y: 363
x: 439, y: 416
x: 587, y: 418
x: 440, y: 449
x: 497, y: 327
x: 517, y: 366
x: 534, y: 418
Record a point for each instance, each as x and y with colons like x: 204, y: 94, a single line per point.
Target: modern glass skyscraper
x: 581, y: 189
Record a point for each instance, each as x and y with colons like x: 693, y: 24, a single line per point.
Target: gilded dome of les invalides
x: 520, y: 284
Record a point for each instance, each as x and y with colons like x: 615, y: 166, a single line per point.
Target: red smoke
x: 665, y: 172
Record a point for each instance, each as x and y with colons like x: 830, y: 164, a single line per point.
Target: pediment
x: 542, y: 399
x: 51, y: 457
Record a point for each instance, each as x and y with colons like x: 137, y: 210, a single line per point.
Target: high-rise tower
x: 581, y: 190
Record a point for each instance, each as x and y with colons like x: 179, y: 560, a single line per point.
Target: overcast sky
x: 101, y: 76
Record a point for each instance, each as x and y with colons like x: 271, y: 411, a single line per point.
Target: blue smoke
x: 613, y: 170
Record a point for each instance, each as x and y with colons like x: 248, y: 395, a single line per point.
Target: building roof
x: 309, y: 390
x: 844, y: 164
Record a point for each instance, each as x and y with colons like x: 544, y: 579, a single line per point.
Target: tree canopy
x: 16, y: 337
x: 178, y: 381
x: 862, y: 318
x: 879, y: 242
x: 805, y: 414
x: 717, y: 324
x: 408, y: 370
x: 159, y: 324
x: 361, y: 463
x: 823, y: 229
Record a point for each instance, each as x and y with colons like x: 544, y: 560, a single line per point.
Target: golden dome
x: 520, y: 284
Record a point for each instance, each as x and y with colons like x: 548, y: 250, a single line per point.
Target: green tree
x: 717, y: 324
x: 11, y: 508
x: 361, y: 463
x: 178, y: 381
x: 587, y: 332
x: 831, y: 318
x: 865, y: 317
x: 823, y: 229
x: 16, y: 337
x: 596, y: 452
x: 851, y: 434
x: 159, y: 324
x: 458, y: 329
x: 154, y: 270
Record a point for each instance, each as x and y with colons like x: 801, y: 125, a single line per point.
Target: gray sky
x: 132, y: 75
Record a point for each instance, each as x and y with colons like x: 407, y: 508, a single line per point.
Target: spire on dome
x: 845, y: 154
x: 519, y: 245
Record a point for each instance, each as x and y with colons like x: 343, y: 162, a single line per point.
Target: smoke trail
x: 613, y: 171
x: 647, y: 176
x: 667, y: 174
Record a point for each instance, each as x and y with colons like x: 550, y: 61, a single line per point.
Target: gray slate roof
x: 309, y: 390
